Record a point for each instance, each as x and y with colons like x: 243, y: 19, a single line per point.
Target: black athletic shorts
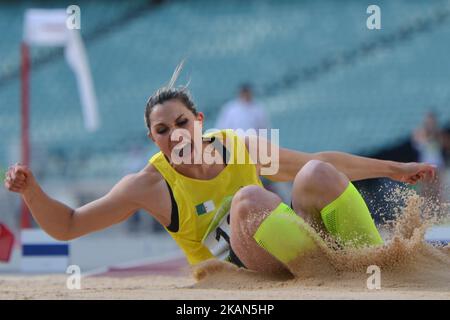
x: 233, y: 258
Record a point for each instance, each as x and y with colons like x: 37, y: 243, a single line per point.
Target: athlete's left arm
x: 354, y: 167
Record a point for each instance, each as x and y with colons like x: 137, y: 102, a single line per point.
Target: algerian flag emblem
x: 205, y: 207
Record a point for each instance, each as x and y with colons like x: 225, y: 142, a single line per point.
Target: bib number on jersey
x: 217, y: 237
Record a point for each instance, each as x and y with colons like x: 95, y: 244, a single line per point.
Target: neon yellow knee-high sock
x: 348, y: 219
x: 285, y: 235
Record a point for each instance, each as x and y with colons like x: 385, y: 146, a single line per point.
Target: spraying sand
x: 410, y: 269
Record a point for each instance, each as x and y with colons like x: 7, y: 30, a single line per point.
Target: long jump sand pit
x: 408, y: 271
x: 411, y: 268
x: 417, y: 272
x: 424, y: 279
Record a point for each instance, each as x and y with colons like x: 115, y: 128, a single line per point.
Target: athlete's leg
x: 249, y: 207
x: 252, y: 204
x: 316, y: 184
x: 325, y: 198
x: 319, y: 192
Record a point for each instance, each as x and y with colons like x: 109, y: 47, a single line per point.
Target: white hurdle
x: 43, y: 254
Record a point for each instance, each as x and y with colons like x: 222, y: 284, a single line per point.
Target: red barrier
x: 6, y: 243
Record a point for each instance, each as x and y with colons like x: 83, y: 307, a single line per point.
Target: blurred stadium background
x: 327, y: 82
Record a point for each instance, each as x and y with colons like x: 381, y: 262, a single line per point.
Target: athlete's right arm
x: 64, y: 223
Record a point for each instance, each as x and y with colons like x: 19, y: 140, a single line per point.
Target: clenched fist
x: 18, y: 178
x: 412, y: 172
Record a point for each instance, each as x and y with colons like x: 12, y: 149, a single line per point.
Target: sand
x: 222, y: 285
x: 410, y: 269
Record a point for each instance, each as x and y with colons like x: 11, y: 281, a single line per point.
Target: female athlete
x: 220, y: 209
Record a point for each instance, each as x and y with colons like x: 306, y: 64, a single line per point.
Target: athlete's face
x: 165, y: 118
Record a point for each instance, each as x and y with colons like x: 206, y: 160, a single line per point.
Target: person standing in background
x: 243, y: 113
x: 428, y: 141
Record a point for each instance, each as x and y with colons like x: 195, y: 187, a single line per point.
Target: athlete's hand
x: 412, y: 172
x: 18, y: 178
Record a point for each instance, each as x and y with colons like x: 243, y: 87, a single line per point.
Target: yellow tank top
x: 198, y: 200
